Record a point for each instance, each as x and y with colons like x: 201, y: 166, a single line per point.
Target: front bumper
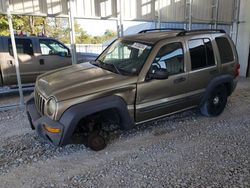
x: 37, y: 122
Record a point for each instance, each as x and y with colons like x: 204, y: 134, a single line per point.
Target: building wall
x: 147, y: 10
x: 243, y: 40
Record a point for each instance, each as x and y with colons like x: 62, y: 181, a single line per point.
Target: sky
x: 98, y: 27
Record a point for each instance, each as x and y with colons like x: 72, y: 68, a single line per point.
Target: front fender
x: 74, y: 114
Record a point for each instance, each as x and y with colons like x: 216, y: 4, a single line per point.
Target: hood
x: 79, y: 80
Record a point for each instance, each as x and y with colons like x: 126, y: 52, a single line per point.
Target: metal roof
x: 203, y: 11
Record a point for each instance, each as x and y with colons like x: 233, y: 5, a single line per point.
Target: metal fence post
x: 72, y: 31
x: 12, y: 36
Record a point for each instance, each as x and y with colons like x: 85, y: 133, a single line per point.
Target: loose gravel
x: 182, y: 150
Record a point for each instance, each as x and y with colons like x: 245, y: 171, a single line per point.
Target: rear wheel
x: 215, y: 103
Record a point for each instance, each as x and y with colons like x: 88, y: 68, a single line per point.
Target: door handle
x: 41, y: 61
x: 179, y: 80
x: 10, y: 62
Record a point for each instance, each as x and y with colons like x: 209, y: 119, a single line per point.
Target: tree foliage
x: 53, y: 27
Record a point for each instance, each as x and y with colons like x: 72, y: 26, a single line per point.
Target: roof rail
x: 183, y: 33
x: 161, y: 29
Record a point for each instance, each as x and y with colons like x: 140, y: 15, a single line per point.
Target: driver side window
x: 170, y: 58
x: 52, y: 47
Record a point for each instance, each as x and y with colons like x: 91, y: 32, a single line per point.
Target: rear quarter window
x: 225, y: 50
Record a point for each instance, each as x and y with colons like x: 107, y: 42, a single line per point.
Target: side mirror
x: 160, y: 74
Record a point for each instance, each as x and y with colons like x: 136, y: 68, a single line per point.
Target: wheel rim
x: 218, y: 101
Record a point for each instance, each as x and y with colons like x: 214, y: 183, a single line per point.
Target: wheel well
x: 108, y: 116
x: 229, y: 88
x: 111, y: 113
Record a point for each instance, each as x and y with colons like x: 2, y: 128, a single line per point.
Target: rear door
x: 54, y: 54
x: 28, y: 62
x: 202, y: 64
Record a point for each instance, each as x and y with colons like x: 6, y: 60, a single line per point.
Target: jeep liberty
x: 137, y: 78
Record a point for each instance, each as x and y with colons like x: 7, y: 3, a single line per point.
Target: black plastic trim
x: 74, y: 114
x: 161, y: 29
x: 220, y: 80
x: 183, y: 33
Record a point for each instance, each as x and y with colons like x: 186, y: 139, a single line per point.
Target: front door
x: 157, y: 97
x: 54, y: 55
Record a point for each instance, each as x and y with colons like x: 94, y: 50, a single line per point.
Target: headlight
x: 51, y: 107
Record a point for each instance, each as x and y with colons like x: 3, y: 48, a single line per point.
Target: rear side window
x: 209, y: 52
x: 23, y: 46
x: 226, y: 53
x: 201, y: 52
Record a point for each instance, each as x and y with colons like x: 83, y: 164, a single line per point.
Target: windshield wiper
x: 113, y: 67
x: 95, y: 63
x: 107, y: 66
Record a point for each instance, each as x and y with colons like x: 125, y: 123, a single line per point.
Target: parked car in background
x: 36, y: 56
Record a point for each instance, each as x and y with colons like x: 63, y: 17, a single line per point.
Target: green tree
x: 29, y: 24
x: 53, y: 27
x: 58, y: 28
x: 108, y: 34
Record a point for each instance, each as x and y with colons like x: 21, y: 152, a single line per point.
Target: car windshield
x: 124, y: 57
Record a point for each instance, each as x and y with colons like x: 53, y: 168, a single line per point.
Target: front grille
x: 40, y: 102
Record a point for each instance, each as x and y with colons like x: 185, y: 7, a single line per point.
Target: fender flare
x: 74, y: 114
x: 224, y: 79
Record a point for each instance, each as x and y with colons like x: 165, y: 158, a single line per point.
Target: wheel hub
x: 216, y: 100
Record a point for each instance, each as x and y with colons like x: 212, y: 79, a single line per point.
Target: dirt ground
x: 182, y: 150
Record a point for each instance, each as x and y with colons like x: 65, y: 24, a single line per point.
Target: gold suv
x: 138, y: 78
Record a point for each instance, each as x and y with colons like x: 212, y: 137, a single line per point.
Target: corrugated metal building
x: 165, y: 13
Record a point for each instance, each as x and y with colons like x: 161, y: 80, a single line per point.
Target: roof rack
x: 161, y: 29
x: 183, y: 33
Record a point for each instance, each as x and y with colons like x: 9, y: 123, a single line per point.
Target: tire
x: 96, y: 142
x: 215, y: 103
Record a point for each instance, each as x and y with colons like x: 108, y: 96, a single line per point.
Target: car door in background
x: 54, y: 55
x: 28, y: 63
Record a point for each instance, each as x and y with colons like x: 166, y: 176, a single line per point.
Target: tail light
x: 237, y: 70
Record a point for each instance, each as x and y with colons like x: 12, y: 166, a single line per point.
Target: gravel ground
x: 183, y: 150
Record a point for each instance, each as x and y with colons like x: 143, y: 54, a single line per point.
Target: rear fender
x: 220, y: 80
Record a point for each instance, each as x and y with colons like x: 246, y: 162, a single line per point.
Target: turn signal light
x: 51, y: 130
